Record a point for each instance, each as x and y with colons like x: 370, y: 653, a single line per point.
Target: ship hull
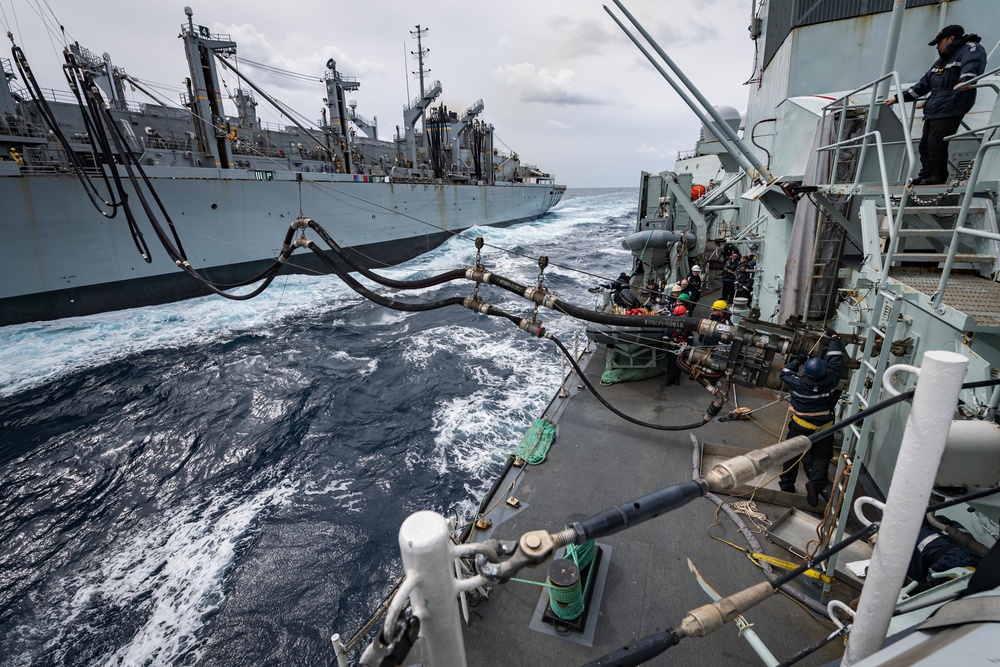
x: 66, y: 259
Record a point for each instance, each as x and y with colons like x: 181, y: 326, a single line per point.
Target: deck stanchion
x: 920, y: 453
x: 425, y: 544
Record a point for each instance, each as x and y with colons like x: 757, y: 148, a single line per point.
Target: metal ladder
x: 858, y: 439
x: 822, y: 287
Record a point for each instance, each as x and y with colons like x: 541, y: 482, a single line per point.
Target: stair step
x: 935, y: 257
x: 924, y: 210
x: 884, y: 233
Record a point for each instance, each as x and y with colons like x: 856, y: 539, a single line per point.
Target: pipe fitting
x: 727, y: 475
x: 710, y: 617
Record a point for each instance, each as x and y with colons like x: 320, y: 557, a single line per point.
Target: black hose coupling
x: 301, y: 222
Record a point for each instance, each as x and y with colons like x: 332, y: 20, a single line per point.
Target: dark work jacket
x: 809, y: 395
x: 965, y: 59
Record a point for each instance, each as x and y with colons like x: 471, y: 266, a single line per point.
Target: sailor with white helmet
x: 813, y: 397
x: 694, y: 283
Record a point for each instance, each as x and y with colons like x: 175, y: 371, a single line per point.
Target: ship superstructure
x: 229, y: 184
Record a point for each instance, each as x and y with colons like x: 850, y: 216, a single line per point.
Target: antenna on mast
x: 419, y: 55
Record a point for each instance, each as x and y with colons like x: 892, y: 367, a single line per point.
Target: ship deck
x: 977, y: 297
x: 599, y: 461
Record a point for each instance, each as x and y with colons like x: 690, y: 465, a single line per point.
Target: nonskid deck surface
x: 978, y: 297
x: 599, y: 461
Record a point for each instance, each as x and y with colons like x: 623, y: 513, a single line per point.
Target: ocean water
x: 214, y: 482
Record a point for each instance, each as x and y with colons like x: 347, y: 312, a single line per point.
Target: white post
x: 340, y: 651
x: 916, y: 467
x: 425, y: 544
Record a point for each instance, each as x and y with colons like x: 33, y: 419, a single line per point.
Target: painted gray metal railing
x: 893, y: 218
x: 960, y: 228
x: 843, y: 104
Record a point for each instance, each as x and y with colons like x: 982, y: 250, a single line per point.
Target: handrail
x: 842, y: 102
x: 885, y: 186
x: 970, y: 82
x: 959, y: 224
x: 973, y: 131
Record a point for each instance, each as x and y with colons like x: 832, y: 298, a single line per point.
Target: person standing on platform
x: 670, y: 301
x: 729, y: 270
x: 961, y: 58
x: 813, y: 396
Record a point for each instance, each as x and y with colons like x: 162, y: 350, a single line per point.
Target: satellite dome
x: 351, y: 102
x: 730, y: 115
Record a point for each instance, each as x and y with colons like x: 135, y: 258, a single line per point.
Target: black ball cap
x: 947, y: 31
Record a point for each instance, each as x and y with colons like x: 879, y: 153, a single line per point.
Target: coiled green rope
x: 535, y: 444
x: 568, y: 603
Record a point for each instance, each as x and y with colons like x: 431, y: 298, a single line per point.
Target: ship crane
x: 413, y: 112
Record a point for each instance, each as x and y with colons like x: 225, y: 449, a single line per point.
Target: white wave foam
x: 515, y: 378
x: 339, y: 490
x: 169, y: 572
x: 36, y: 353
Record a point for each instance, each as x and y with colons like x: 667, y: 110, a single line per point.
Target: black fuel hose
x: 42, y: 105
x: 431, y: 281
x: 710, y: 413
x: 374, y: 296
x: 529, y: 293
x: 586, y: 314
x: 176, y: 255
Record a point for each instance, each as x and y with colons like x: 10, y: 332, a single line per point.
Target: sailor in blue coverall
x: 813, y: 397
x: 961, y: 59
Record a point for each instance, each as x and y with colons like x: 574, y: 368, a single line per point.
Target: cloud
x: 252, y: 44
x: 581, y: 37
x: 557, y: 125
x: 529, y: 84
x: 657, y: 151
x: 675, y: 33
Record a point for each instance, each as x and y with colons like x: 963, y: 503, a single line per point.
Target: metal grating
x: 977, y: 297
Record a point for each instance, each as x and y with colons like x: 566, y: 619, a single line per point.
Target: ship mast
x: 419, y: 55
x: 204, y: 97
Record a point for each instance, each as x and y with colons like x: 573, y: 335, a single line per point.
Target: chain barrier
x: 937, y: 199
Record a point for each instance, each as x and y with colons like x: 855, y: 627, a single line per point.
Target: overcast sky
x: 562, y: 84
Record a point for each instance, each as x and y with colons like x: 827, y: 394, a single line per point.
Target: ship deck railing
x: 841, y: 105
x: 16, y: 127
x: 168, y: 143
x: 960, y: 228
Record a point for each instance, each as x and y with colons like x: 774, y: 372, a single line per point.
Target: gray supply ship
x: 82, y: 178
x: 842, y: 244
